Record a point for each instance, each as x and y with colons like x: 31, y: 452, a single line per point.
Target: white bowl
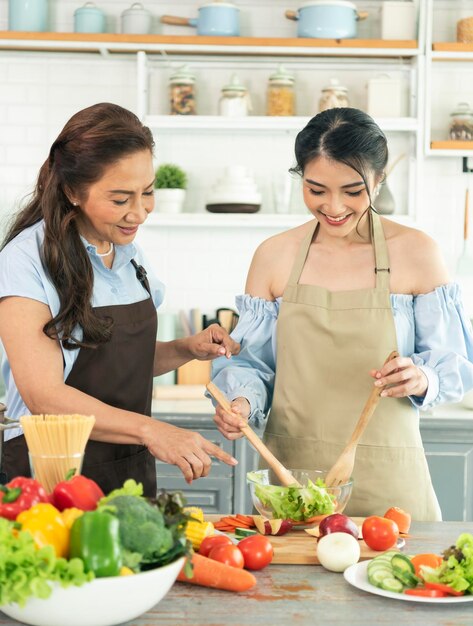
x: 101, y: 602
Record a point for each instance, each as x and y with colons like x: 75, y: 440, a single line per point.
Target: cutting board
x: 299, y: 548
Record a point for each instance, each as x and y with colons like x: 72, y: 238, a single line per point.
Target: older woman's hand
x: 230, y: 424
x: 402, y: 377
x: 211, y: 343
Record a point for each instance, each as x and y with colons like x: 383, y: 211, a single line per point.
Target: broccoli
x: 142, y: 528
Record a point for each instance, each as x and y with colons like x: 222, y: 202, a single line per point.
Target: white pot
x: 136, y: 20
x: 169, y: 200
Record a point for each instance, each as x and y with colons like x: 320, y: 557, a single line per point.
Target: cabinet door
x: 451, y: 468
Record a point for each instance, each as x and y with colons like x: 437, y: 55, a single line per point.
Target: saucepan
x: 215, y: 19
x: 327, y: 19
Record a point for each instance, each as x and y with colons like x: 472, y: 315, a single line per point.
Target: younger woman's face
x: 119, y: 202
x: 336, y: 195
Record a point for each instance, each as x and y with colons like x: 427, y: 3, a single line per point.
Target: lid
x: 89, y: 7
x: 462, y: 108
x: 218, y: 4
x: 234, y: 85
x: 136, y: 9
x: 282, y: 76
x: 338, y: 3
x: 182, y: 75
x: 334, y: 85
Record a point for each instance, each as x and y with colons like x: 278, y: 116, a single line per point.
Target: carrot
x: 210, y: 573
x: 247, y: 519
x: 231, y: 521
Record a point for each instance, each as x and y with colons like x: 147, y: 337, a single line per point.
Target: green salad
x: 294, y: 503
x: 456, y: 571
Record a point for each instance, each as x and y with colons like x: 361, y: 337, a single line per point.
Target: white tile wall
x: 40, y: 91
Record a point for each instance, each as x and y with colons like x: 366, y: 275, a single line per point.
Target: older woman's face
x: 119, y: 202
x: 335, y: 194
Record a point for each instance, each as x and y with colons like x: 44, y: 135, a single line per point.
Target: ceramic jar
x: 89, y: 19
x: 280, y: 96
x: 461, y: 125
x: 333, y: 95
x: 136, y: 20
x: 28, y: 15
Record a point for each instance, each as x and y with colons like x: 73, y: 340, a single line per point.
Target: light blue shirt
x: 23, y: 274
x: 433, y: 329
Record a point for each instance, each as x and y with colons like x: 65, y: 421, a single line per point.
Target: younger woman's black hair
x: 345, y: 135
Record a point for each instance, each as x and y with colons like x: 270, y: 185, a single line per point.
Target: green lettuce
x: 456, y: 570
x: 26, y: 571
x: 295, y: 503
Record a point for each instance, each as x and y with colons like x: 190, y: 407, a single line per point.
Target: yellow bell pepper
x: 69, y: 516
x: 126, y: 571
x: 44, y: 522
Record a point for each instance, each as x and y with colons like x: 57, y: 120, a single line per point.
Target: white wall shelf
x: 258, y: 123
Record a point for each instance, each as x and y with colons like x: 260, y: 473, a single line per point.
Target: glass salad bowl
x: 302, y: 505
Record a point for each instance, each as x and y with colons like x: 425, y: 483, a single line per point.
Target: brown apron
x: 326, y: 344
x: 119, y: 373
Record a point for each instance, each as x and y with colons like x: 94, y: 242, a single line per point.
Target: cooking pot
x: 215, y: 19
x: 327, y: 19
x: 89, y: 19
x: 136, y: 20
x: 28, y: 15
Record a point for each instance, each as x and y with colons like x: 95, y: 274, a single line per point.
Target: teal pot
x: 219, y: 19
x: 28, y: 15
x: 327, y: 19
x: 89, y: 19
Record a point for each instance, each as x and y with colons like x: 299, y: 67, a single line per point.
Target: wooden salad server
x: 283, y: 474
x: 343, y: 466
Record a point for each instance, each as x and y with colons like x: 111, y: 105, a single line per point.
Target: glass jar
x: 235, y: 100
x: 333, y: 95
x: 280, y: 96
x: 182, y: 92
x: 461, y: 125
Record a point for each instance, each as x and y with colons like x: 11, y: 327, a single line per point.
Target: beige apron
x: 326, y: 344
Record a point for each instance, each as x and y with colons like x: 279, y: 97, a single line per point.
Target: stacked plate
x: 235, y: 192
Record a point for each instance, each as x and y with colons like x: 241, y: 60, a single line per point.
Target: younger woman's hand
x: 402, y: 377
x: 211, y: 343
x: 230, y: 424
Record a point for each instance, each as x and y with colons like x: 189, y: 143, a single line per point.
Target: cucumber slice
x: 407, y: 579
x: 392, y: 584
x: 402, y: 563
x: 245, y: 532
x: 377, y: 577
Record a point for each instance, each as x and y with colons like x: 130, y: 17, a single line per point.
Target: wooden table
x: 306, y: 595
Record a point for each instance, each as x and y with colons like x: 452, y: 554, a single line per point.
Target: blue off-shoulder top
x: 433, y: 329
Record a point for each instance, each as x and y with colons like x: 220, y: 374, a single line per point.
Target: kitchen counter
x: 305, y: 595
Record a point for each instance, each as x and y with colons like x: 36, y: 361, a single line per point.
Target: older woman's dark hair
x: 92, y: 140
x: 346, y: 135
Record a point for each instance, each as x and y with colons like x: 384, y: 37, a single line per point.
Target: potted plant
x: 170, y: 184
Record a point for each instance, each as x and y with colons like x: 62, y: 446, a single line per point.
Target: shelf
x: 452, y: 51
x: 239, y: 220
x: 258, y: 123
x: 111, y: 42
x: 451, y: 148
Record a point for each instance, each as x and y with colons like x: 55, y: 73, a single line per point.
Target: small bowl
x: 340, y: 494
x: 101, y: 602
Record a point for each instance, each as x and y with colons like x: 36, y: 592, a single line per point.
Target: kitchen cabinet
x: 447, y: 434
x: 448, y: 74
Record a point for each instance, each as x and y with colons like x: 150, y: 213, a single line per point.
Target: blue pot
x: 218, y: 19
x: 28, y: 15
x: 327, y: 19
x: 89, y: 19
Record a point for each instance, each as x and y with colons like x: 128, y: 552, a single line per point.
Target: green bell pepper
x: 95, y: 538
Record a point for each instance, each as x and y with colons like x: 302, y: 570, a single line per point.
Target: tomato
x: 402, y: 518
x: 426, y: 593
x: 379, y: 533
x: 257, y: 551
x: 230, y: 555
x: 211, y: 542
x: 443, y: 588
x: 428, y: 559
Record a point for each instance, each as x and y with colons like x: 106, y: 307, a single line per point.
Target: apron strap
x: 301, y: 257
x: 141, y: 275
x: 382, y: 267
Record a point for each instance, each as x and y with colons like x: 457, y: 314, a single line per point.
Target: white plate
x: 357, y: 575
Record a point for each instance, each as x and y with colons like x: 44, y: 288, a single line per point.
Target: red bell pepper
x: 445, y: 588
x: 77, y: 491
x: 19, y: 495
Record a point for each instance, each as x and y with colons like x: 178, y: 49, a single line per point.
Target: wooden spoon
x: 343, y: 466
x: 283, y: 474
